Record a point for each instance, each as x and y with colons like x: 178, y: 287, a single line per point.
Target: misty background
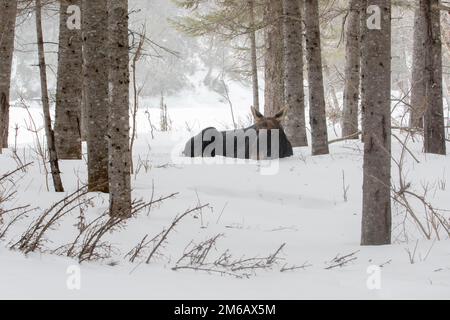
x: 175, y: 63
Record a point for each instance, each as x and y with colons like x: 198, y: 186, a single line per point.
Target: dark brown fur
x: 243, y: 150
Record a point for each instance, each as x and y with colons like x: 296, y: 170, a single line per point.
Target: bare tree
x: 95, y: 60
x: 294, y: 123
x: 352, y: 75
x: 376, y: 56
x: 434, y: 127
x: 363, y: 67
x: 418, y: 88
x: 119, y: 125
x: 69, y: 82
x: 252, y: 34
x: 84, y: 114
x: 317, y: 114
x: 138, y: 54
x: 50, y: 135
x: 8, y: 12
x: 274, y: 78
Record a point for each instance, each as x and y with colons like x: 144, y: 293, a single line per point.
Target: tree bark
x: 254, y: 58
x: 84, y: 114
x: 434, y: 126
x: 8, y: 12
x: 418, y: 89
x: 376, y: 57
x: 352, y: 74
x: 363, y: 67
x: 294, y: 123
x: 119, y: 125
x: 84, y: 120
x: 95, y: 60
x: 317, y: 113
x: 274, y: 77
x: 50, y: 135
x: 69, y: 86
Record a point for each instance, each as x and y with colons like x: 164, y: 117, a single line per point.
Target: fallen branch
x: 305, y: 265
x: 340, y: 261
x: 195, y: 257
x: 172, y: 226
x: 353, y: 135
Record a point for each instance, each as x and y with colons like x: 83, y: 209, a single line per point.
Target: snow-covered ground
x: 303, y: 205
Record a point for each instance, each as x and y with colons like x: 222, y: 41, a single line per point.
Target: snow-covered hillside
x: 310, y: 208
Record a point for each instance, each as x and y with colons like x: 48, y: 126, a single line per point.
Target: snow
x: 302, y: 205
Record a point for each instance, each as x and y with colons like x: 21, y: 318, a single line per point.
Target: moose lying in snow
x: 263, y: 140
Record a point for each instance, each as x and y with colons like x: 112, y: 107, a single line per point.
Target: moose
x: 265, y: 139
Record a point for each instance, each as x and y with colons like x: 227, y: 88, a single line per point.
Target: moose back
x: 265, y: 139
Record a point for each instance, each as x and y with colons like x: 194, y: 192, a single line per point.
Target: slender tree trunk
x: 69, y: 84
x: 330, y: 85
x: 446, y: 97
x: 317, y: 113
x: 8, y: 12
x: 418, y: 89
x: 274, y: 78
x: 445, y: 80
x: 294, y: 123
x: 137, y: 56
x: 363, y: 68
x: 352, y: 75
x: 445, y: 25
x: 434, y: 127
x: 50, y: 135
x: 119, y: 126
x: 84, y: 114
x: 251, y: 8
x: 95, y: 56
x: 376, y: 57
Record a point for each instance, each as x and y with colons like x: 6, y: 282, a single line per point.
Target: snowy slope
x: 302, y: 205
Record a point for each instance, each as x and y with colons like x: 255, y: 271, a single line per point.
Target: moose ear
x: 256, y: 114
x: 281, y: 114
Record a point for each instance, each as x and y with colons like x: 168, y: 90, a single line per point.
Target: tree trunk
x: 251, y: 5
x: 119, y: 126
x: 363, y: 69
x: 317, y: 114
x: 84, y: 114
x: 294, y: 123
x: 445, y: 25
x: 376, y: 57
x: 50, y: 135
x: 69, y: 86
x: 8, y: 12
x: 330, y: 86
x: 352, y: 75
x: 274, y: 78
x: 446, y: 98
x: 95, y: 59
x: 434, y: 126
x: 418, y: 89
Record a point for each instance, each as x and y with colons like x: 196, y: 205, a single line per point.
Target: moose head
x: 262, y: 122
